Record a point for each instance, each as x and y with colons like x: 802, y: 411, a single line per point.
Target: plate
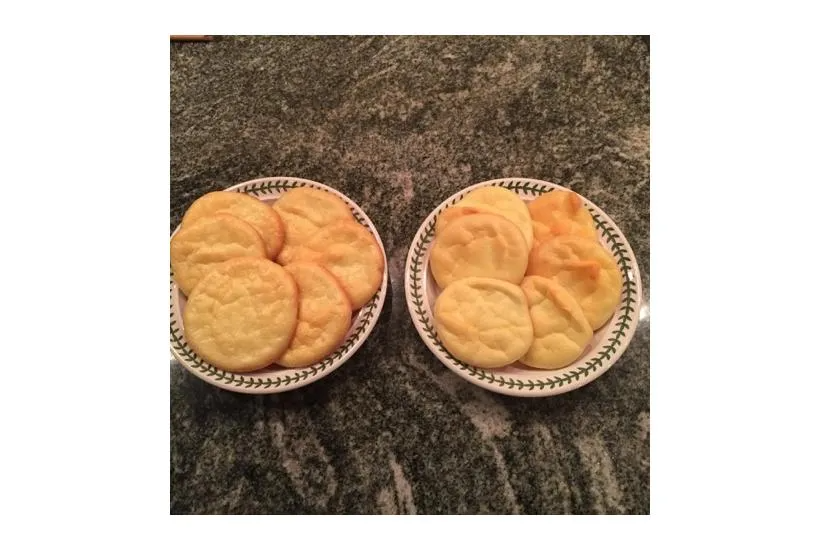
x: 278, y: 379
x: 607, y: 345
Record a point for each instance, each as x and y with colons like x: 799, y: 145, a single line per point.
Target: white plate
x: 607, y: 345
x: 277, y: 379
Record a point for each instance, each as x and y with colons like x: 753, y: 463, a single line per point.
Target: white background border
x: 84, y: 211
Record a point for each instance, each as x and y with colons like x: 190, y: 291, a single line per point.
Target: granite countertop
x: 398, y: 124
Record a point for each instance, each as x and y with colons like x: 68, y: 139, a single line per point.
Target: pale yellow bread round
x: 209, y: 241
x: 501, y: 201
x: 561, y: 332
x: 560, y: 213
x: 585, y: 269
x: 305, y: 211
x: 324, y: 315
x: 351, y: 254
x: 245, y: 207
x: 484, y: 322
x: 479, y: 245
x: 452, y: 213
x: 242, y: 315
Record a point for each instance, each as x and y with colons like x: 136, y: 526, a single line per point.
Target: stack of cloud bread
x: 272, y: 285
x: 520, y: 281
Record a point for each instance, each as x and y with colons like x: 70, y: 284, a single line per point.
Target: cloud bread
x: 484, y: 322
x: 245, y: 207
x: 501, y: 201
x: 305, y: 211
x: 449, y: 214
x: 242, y: 315
x: 324, y: 315
x: 208, y: 241
x: 561, y: 332
x: 560, y: 213
x: 479, y: 245
x: 585, y: 269
x: 351, y: 254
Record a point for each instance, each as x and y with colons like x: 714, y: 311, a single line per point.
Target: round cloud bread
x: 449, y: 214
x: 484, y: 322
x: 242, y: 315
x: 209, y: 241
x: 560, y: 329
x: 305, y: 211
x: 497, y: 200
x: 351, y: 254
x: 324, y: 315
x: 560, y: 213
x: 249, y: 209
x: 479, y: 245
x: 585, y: 269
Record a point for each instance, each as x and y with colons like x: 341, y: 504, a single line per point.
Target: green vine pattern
x: 525, y: 187
x: 180, y: 345
x: 625, y: 312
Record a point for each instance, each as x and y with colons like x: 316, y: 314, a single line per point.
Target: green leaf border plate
x: 275, y: 379
x: 608, y: 343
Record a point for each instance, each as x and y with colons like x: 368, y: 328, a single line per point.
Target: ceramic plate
x: 608, y: 342
x: 277, y: 379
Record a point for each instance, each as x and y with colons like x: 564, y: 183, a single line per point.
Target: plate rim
x: 246, y: 382
x: 557, y: 381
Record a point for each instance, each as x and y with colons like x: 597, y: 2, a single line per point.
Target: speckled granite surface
x: 399, y: 124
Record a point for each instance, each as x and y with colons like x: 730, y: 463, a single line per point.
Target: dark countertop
x: 398, y: 124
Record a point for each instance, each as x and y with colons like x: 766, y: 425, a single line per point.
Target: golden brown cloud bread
x: 503, y: 202
x: 245, y: 207
x: 561, y: 332
x: 484, y: 322
x: 479, y: 245
x: 324, y: 315
x: 351, y: 254
x: 585, y: 269
x: 560, y: 213
x: 242, y: 315
x: 209, y: 241
x: 305, y: 211
x: 452, y: 213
